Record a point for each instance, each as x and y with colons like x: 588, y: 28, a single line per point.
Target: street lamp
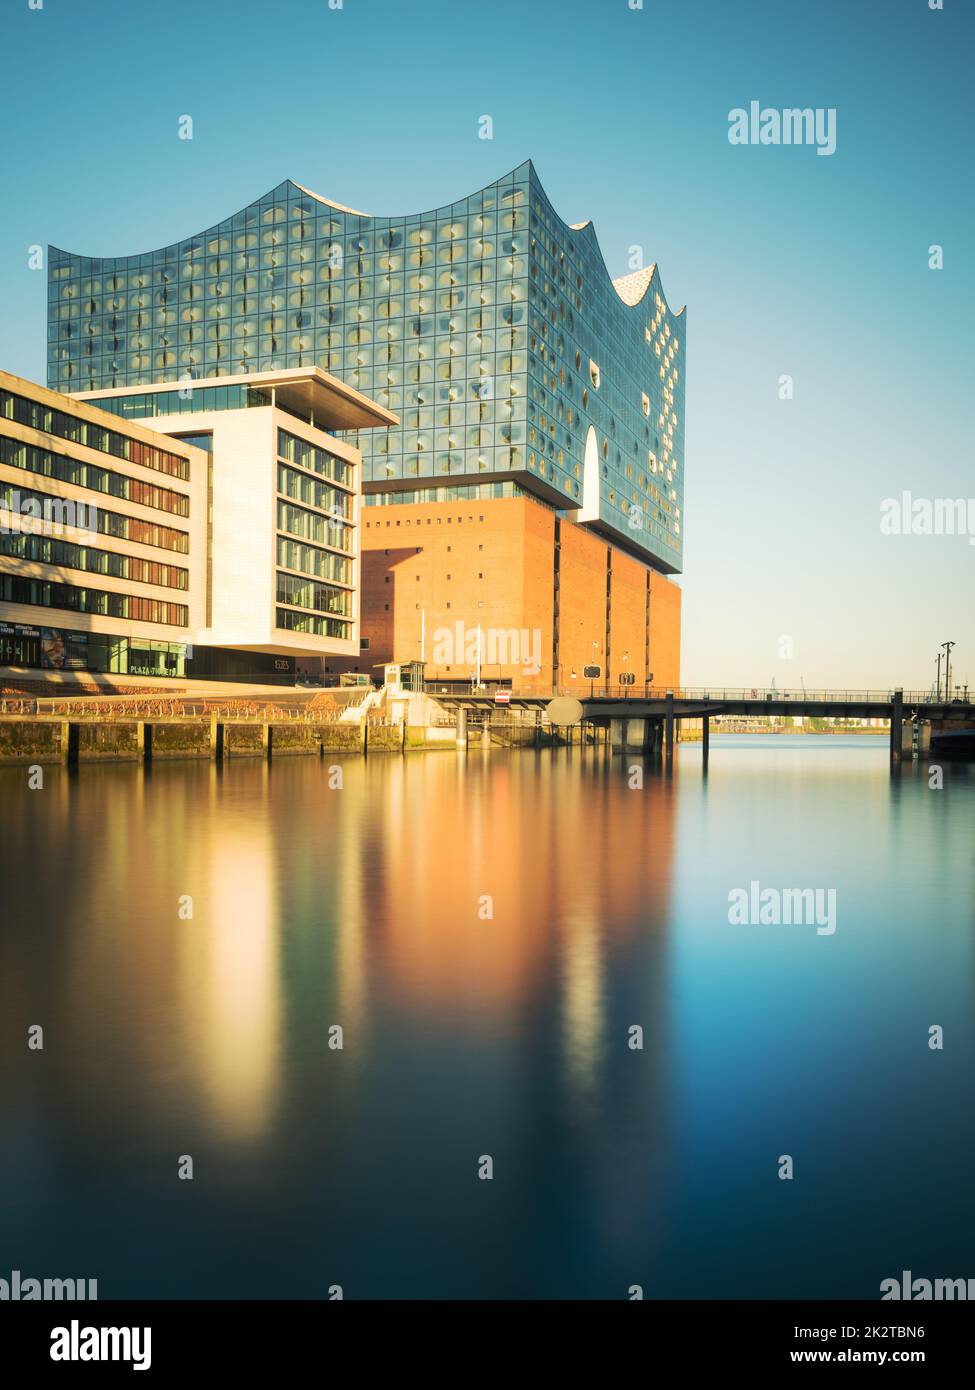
x: 948, y: 646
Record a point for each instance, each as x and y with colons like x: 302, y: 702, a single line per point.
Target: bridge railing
x: 599, y: 690
x: 760, y: 693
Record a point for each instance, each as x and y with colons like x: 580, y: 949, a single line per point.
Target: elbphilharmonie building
x: 504, y: 361
x: 489, y: 326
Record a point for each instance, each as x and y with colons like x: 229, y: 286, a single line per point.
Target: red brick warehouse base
x: 439, y: 569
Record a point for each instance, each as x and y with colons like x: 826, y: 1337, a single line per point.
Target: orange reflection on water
x: 515, y: 838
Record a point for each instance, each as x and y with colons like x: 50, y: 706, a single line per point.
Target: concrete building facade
x: 224, y: 538
x: 284, y: 500
x: 102, y: 539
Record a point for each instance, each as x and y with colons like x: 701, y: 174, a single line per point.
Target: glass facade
x: 38, y: 416
x: 327, y: 517
x: 60, y: 649
x: 46, y: 464
x: 47, y: 593
x: 464, y: 492
x: 42, y: 550
x: 98, y: 519
x: 490, y: 326
x: 183, y: 401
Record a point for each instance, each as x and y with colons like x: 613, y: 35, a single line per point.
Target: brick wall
x: 492, y: 562
x: 665, y: 606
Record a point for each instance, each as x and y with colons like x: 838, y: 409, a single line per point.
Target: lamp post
x: 939, y: 675
x: 948, y: 646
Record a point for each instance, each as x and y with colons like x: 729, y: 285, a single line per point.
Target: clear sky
x: 790, y: 263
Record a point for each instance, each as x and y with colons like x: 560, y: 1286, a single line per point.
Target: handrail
x: 241, y: 710
x: 756, y: 694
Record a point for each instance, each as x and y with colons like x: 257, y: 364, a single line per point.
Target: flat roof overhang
x: 530, y: 483
x: 309, y: 391
x: 652, y: 559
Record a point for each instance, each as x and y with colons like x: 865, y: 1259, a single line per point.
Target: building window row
x: 90, y: 475
x: 43, y: 550
x: 463, y: 492
x: 61, y: 649
x: 106, y: 523
x: 308, y: 456
x: 311, y: 624
x: 302, y: 487
x: 313, y: 526
x: 43, y: 593
x: 186, y: 400
x: 306, y: 593
x: 322, y: 564
x: 261, y: 287
x: 38, y: 416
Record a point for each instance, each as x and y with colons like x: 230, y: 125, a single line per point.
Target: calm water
x: 504, y: 1037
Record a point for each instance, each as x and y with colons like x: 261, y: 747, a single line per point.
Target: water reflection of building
x: 166, y: 1025
x: 360, y: 907
x: 558, y: 855
x: 528, y: 1014
x: 233, y: 971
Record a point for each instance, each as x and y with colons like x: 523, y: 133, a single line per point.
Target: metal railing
x: 18, y: 705
x: 759, y: 694
x: 765, y: 694
x: 177, y: 709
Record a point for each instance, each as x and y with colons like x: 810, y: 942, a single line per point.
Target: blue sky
x: 789, y: 262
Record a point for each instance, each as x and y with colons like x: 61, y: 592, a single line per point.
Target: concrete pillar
x: 924, y: 738
x: 460, y: 741
x: 669, y: 721
x: 705, y: 736
x: 538, y: 728
x: 267, y: 740
x: 896, y: 726
x: 143, y: 740
x: 217, y: 730
x: 486, y: 731
x: 616, y: 735
x: 70, y: 742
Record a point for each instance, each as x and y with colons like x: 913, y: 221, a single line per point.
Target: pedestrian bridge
x: 659, y: 710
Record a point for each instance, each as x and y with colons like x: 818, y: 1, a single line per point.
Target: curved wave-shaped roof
x: 631, y: 288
